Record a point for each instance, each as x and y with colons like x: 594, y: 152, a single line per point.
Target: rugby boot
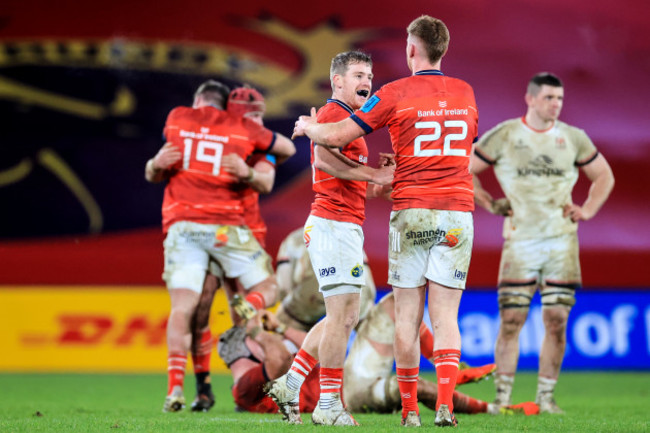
x: 242, y: 307
x: 286, y: 399
x: 175, y: 401
x: 335, y: 415
x: 475, y: 374
x: 444, y: 418
x: 526, y: 408
x: 547, y: 404
x: 203, y: 402
x: 412, y: 419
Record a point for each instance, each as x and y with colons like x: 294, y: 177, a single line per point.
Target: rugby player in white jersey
x: 536, y: 160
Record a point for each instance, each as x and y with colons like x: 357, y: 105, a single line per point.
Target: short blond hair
x: 433, y: 33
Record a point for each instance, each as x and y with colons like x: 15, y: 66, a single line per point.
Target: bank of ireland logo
x: 357, y: 271
x: 452, y: 236
x: 305, y: 235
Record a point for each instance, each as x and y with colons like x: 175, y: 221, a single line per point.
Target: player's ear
x: 528, y: 98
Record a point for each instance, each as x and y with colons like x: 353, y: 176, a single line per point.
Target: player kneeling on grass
x: 369, y: 384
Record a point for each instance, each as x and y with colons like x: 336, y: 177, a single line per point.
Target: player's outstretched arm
x: 283, y: 148
x: 333, y: 162
x: 329, y: 134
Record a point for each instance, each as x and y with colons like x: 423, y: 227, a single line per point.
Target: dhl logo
x: 89, y: 330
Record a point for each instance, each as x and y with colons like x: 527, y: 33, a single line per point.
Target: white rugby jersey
x: 537, y: 171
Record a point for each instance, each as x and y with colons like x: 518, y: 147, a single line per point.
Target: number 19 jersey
x: 199, y: 190
x: 433, y: 122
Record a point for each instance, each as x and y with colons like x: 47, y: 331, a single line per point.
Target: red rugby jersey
x: 251, y: 203
x: 198, y: 190
x: 339, y: 199
x: 433, y: 122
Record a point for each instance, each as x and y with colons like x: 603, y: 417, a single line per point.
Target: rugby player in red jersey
x: 202, y: 211
x: 433, y: 121
x: 334, y: 240
x: 256, y: 176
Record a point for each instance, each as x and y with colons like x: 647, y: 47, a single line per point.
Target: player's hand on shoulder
x: 501, y: 207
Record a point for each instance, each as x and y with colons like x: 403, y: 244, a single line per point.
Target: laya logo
x: 326, y: 272
x: 459, y: 275
x: 357, y: 271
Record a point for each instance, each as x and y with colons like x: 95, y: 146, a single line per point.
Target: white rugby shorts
x: 553, y: 259
x: 429, y: 244
x: 190, y: 246
x: 336, y: 253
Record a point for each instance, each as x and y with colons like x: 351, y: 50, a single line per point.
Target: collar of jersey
x: 429, y: 72
x: 342, y: 104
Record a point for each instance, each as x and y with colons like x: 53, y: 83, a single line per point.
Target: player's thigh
x: 241, y: 256
x: 420, y: 241
x: 336, y: 252
x: 449, y: 259
x: 519, y: 275
x: 561, y: 274
x: 186, y: 259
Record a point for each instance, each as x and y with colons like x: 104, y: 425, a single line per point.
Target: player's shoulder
x: 458, y: 85
x: 569, y: 129
x: 333, y: 110
x: 501, y: 129
x: 179, y: 112
x: 201, y: 115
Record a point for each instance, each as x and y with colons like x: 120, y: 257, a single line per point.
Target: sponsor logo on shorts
x: 306, y: 236
x: 451, y: 238
x: 221, y: 237
x: 195, y: 237
x: 394, y: 276
x: 326, y: 272
x: 434, y: 237
x: 459, y: 275
x: 256, y: 255
x: 357, y: 271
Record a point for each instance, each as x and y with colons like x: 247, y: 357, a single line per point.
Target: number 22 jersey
x: 433, y: 122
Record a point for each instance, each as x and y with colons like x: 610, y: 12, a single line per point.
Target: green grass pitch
x: 594, y: 402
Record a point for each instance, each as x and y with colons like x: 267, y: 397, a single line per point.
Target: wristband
x: 251, y: 174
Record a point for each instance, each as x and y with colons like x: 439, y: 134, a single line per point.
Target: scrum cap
x: 243, y: 100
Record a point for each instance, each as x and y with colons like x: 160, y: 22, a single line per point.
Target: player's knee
x: 514, y: 300
x: 564, y: 297
x: 513, y: 320
x: 555, y: 321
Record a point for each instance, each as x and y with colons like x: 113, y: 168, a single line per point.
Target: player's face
x: 547, y: 104
x: 355, y: 85
x: 256, y: 116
